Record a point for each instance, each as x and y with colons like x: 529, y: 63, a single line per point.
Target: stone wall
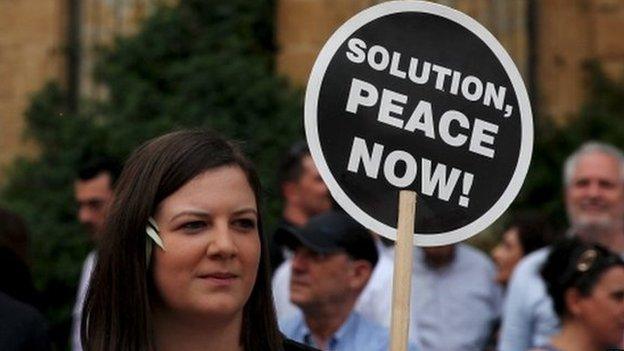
x: 303, y: 26
x: 32, y: 36
x: 33, y: 41
x: 569, y: 34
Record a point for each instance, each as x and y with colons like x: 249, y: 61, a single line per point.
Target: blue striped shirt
x: 357, y: 333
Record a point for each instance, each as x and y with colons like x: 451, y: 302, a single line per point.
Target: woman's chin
x: 217, y: 308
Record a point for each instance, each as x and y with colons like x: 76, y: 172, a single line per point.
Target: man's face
x: 93, y: 197
x: 311, y: 193
x: 595, y: 195
x: 319, y: 279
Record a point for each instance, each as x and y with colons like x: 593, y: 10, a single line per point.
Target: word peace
x: 391, y: 110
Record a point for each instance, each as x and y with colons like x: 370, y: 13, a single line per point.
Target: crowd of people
x: 182, y: 263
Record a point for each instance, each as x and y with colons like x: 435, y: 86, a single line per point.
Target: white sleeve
x: 83, y: 286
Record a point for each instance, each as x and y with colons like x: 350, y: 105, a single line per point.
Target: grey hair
x: 591, y: 147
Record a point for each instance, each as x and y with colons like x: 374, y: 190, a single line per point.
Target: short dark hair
x: 291, y: 167
x: 534, y: 230
x: 93, y: 166
x: 116, y: 313
x: 575, y: 264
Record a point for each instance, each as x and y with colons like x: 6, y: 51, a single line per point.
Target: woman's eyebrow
x: 204, y: 214
x: 248, y: 210
x: 195, y: 213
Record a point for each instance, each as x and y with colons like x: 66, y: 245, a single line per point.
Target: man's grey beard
x: 598, y: 231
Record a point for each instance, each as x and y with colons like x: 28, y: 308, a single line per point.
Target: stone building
x: 550, y: 40
x: 31, y: 41
x: 46, y: 40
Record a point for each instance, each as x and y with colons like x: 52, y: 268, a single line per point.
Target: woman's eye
x: 194, y: 226
x: 618, y: 296
x: 245, y: 223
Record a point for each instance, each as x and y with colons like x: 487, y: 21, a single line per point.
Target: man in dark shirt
x: 22, y: 328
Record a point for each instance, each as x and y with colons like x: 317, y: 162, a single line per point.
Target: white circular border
x: 310, y: 119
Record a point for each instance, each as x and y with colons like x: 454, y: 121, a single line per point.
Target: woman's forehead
x: 223, y: 188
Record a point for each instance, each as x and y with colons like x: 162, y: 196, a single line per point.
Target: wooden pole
x: 402, y: 279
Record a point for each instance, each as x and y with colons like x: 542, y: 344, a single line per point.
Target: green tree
x: 204, y: 63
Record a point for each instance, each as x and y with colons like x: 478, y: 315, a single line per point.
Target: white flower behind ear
x: 151, y: 229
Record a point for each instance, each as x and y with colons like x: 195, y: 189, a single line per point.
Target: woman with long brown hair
x: 183, y: 263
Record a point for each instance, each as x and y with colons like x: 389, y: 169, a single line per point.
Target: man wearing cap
x: 333, y: 260
x: 306, y: 195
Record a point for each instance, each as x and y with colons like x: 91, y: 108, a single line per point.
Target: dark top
x: 16, y: 279
x: 22, y: 328
x: 290, y: 345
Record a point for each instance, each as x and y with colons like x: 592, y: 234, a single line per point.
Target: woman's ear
x: 574, y: 301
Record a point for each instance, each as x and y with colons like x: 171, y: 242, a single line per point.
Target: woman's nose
x: 221, y: 243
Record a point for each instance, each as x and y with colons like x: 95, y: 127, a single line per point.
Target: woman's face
x: 603, y: 311
x: 209, y: 228
x: 507, y: 254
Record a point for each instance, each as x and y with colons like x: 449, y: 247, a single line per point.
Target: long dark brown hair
x: 117, y: 313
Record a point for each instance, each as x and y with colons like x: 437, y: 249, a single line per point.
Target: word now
x: 470, y: 87
x: 482, y: 133
x: 431, y: 181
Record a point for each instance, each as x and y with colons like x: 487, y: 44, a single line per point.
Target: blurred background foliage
x: 204, y: 63
x: 209, y: 63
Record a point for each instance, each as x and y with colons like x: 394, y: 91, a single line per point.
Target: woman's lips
x: 219, y: 278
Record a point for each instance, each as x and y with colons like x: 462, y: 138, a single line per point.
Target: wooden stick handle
x: 402, y: 279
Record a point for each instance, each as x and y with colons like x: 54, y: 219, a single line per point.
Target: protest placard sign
x: 411, y: 95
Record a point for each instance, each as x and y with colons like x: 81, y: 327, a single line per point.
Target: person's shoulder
x: 468, y: 255
x: 22, y: 325
x: 19, y: 312
x: 366, y: 332
x: 547, y: 347
x: 526, y: 281
x: 292, y: 324
x: 373, y: 335
x: 530, y: 264
x: 290, y: 345
x: 367, y: 326
x: 538, y: 255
